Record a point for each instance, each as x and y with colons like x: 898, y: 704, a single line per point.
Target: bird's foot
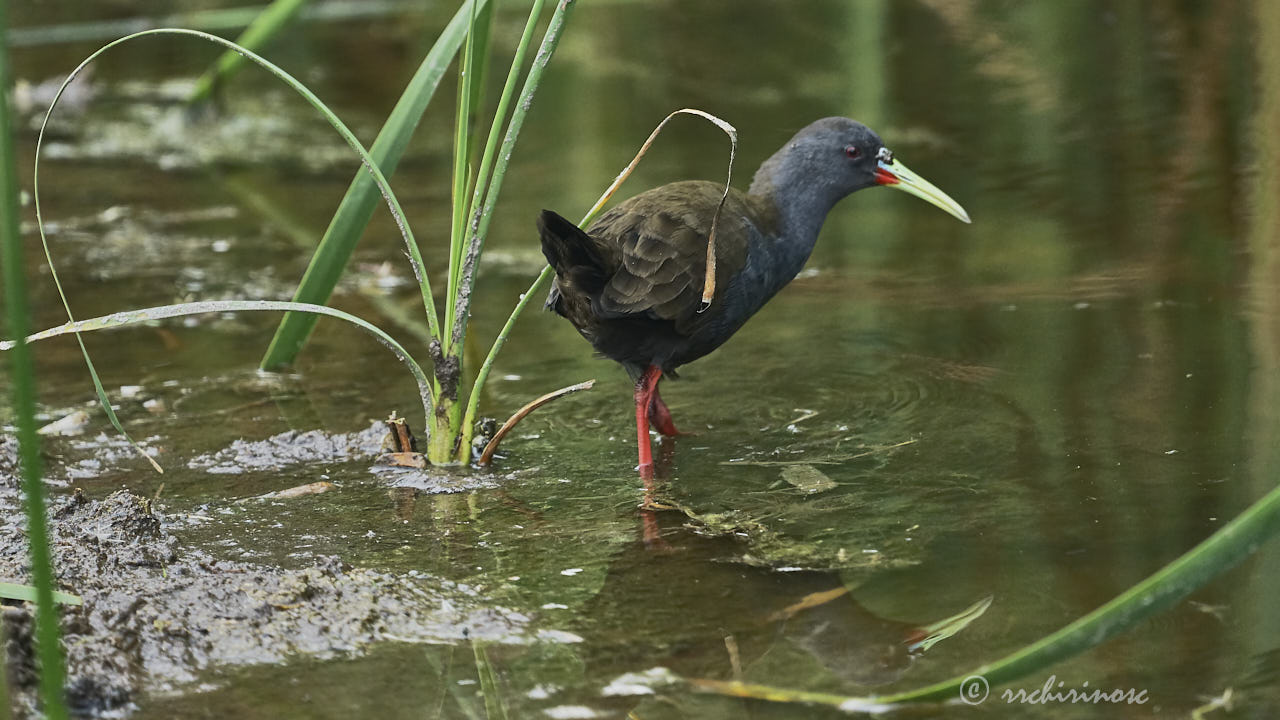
x: 660, y: 416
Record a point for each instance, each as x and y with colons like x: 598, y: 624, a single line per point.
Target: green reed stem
x: 30, y: 593
x: 1222, y: 550
x: 484, y: 177
x: 461, y: 163
x: 357, y: 206
x: 12, y: 269
x: 473, y: 402
x: 147, y: 315
x: 483, y: 37
x: 483, y: 216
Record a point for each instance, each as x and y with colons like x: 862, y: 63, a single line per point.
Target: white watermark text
x: 975, y: 689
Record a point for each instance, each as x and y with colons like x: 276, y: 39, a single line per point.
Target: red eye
x: 852, y: 152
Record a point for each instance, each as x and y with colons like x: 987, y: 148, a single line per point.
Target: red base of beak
x: 884, y: 177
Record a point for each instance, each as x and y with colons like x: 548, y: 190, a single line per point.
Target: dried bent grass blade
x: 314, y: 488
x: 520, y: 414
x: 811, y: 600
x: 709, y: 281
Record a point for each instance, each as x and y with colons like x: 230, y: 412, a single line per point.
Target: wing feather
x: 662, y: 239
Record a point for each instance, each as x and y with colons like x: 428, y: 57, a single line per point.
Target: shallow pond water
x: 1043, y: 407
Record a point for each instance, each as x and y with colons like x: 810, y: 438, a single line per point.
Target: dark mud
x: 158, y: 611
x: 293, y: 449
x: 290, y: 448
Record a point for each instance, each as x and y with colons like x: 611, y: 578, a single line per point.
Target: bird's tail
x: 575, y: 256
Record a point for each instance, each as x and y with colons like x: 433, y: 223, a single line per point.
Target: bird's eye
x: 852, y: 152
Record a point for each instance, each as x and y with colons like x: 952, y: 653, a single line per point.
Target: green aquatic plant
x: 477, y: 181
x: 130, y: 318
x: 22, y: 373
x: 362, y: 196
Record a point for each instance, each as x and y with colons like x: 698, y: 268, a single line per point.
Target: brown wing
x: 662, y: 237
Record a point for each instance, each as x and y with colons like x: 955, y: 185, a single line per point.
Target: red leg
x: 646, y: 387
x: 660, y: 416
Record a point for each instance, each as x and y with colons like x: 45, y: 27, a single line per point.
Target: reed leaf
x: 357, y: 206
x: 22, y: 374
x: 484, y: 177
x: 480, y: 223
x: 135, y: 317
x: 1165, y: 588
x: 461, y: 164
x: 482, y: 36
x: 29, y: 593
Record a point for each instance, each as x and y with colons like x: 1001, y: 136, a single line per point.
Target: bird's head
x: 836, y: 156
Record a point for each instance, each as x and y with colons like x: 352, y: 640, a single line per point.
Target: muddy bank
x: 157, y: 611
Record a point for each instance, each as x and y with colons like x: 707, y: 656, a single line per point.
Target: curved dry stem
x: 709, y: 280
x: 520, y: 414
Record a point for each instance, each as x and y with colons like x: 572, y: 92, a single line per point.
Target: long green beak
x: 894, y: 174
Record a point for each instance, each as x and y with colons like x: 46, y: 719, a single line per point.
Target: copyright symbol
x: 974, y: 690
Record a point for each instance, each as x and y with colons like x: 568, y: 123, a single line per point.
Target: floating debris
x: 808, y: 478
x: 72, y: 424
x: 643, y: 683
x: 314, y: 488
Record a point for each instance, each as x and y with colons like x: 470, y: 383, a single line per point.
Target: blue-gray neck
x: 801, y: 199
